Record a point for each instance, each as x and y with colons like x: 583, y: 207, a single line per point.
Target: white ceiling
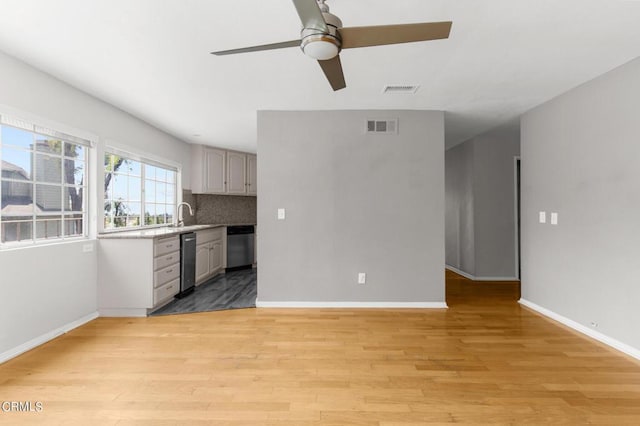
x: 151, y: 58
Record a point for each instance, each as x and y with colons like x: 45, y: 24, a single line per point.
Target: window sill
x: 44, y: 243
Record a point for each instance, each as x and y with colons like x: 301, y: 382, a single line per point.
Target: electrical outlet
x: 281, y: 214
x: 594, y: 324
x: 554, y: 218
x: 362, y: 278
x: 87, y: 248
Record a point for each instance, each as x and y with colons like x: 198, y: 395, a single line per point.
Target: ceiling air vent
x: 400, y: 89
x: 382, y: 126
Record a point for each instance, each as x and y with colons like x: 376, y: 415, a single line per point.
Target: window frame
x: 144, y: 160
x: 41, y: 130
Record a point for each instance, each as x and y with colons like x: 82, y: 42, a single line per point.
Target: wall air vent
x: 388, y: 126
x: 400, y: 89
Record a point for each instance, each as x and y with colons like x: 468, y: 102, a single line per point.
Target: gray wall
x: 494, y: 201
x: 459, y: 232
x: 354, y: 203
x: 580, y: 156
x: 480, y: 198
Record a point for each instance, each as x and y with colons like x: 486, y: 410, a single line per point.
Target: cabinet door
x: 252, y: 175
x: 215, y: 260
x: 202, y: 261
x: 215, y: 171
x: 236, y: 172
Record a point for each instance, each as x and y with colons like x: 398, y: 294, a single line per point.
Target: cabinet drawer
x: 209, y: 235
x: 166, y: 291
x: 166, y: 260
x: 166, y: 245
x: 166, y: 274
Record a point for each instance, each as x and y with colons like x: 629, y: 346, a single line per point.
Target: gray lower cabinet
x: 137, y: 276
x: 210, y: 253
x: 166, y: 275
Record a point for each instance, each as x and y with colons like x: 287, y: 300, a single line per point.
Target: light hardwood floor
x: 484, y: 360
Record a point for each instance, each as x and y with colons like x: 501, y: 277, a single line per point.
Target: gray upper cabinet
x: 208, y: 170
x: 236, y: 173
x: 252, y: 174
x: 216, y: 171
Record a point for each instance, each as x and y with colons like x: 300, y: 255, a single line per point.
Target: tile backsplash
x: 188, y: 197
x: 221, y: 209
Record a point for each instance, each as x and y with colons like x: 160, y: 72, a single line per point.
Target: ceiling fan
x: 323, y: 37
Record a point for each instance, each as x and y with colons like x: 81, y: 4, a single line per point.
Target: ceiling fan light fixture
x: 323, y: 37
x: 321, y: 47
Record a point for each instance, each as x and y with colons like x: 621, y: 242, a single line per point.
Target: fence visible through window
x: 43, y: 183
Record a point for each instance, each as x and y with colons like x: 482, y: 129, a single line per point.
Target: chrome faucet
x: 180, y: 215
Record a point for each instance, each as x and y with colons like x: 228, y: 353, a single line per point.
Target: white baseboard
x: 357, y: 305
x: 12, y: 353
x: 122, y: 312
x: 497, y: 279
x: 609, y: 341
x: 460, y: 272
x: 474, y: 278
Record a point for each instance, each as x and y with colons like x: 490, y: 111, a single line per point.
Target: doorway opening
x: 517, y: 212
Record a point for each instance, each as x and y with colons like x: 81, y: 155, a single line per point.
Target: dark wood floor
x: 461, y: 291
x: 231, y: 290
x: 485, y: 360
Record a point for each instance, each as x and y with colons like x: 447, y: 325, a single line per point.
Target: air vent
x: 401, y: 89
x: 382, y: 126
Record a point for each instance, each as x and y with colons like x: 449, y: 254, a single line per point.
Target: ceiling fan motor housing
x: 322, y: 32
x: 322, y: 45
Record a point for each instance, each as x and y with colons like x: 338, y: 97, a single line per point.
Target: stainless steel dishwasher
x: 240, y: 246
x: 187, y: 263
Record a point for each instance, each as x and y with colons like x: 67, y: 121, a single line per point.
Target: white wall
x: 48, y: 287
x: 354, y: 203
x: 480, y: 197
x: 580, y: 156
x: 44, y: 289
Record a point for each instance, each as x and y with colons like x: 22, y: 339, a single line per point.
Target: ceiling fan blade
x: 310, y: 15
x: 393, y: 34
x: 332, y: 69
x: 272, y: 46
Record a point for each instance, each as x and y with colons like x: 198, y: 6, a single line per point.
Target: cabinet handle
x: 170, y: 287
x: 169, y: 271
x: 169, y: 245
x: 170, y: 258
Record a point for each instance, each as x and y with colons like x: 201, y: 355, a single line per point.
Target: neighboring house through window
x: 44, y: 183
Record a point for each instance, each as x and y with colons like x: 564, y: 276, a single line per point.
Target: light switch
x: 281, y: 214
x: 543, y: 217
x: 362, y: 278
x: 87, y: 248
x: 554, y: 218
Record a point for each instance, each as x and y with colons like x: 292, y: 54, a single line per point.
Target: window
x: 44, y: 182
x: 137, y: 193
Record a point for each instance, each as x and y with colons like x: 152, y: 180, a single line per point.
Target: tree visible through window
x: 136, y: 193
x: 43, y: 186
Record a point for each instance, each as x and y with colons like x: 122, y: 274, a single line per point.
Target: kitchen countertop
x: 166, y: 231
